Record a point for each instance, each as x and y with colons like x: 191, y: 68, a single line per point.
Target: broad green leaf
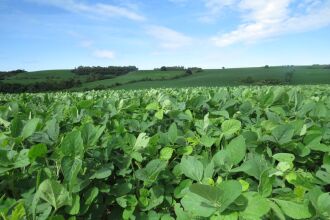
x: 18, y: 213
x: 29, y: 128
x: 90, y: 195
x: 220, y: 196
x: 229, y: 127
x: 152, y: 106
x: 323, y: 204
x: 283, y: 134
x: 277, y: 210
x: 207, y: 141
x: 284, y: 157
x: 75, y: 207
x: 265, y: 186
x: 52, y: 128
x: 54, y: 193
x: 166, y: 153
x: 182, y: 188
x: 159, y: 114
x: 150, y: 173
x: 141, y: 142
x: 256, y: 208
x: 37, y: 151
x: 253, y: 167
x: 70, y: 167
x: 236, y: 150
x: 90, y: 134
x: 180, y: 214
x: 294, y: 210
x: 104, y: 172
x: 172, y: 133
x: 16, y: 126
x: 72, y: 144
x: 196, y: 205
x: 192, y: 168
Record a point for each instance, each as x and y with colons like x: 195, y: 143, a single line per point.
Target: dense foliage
x: 204, y: 153
x: 4, y: 74
x: 110, y: 70
x: 170, y: 68
x: 50, y: 85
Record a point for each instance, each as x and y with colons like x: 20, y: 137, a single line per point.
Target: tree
x: 189, y: 72
x: 163, y: 68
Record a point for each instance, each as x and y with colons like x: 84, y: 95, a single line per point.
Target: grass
x: 158, y: 79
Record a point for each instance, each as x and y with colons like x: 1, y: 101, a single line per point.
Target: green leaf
x: 323, y: 204
x: 236, y: 150
x: 230, y: 127
x: 196, y: 205
x: 29, y: 128
x: 37, y: 151
x: 284, y: 157
x: 192, y: 168
x: 166, y: 153
x: 141, y: 142
x: 54, y: 194
x: 256, y: 208
x: 283, y: 134
x: 207, y: 141
x: 91, y: 195
x: 90, y: 134
x: 18, y: 213
x: 70, y: 167
x: 222, y: 196
x: 253, y: 167
x: 52, y: 128
x: 182, y: 188
x: 159, y: 114
x: 265, y: 187
x: 172, y: 133
x: 72, y: 144
x: 150, y: 173
x: 294, y: 210
x: 277, y: 211
x: 152, y: 106
x: 104, y: 172
x: 75, y: 207
x: 180, y: 214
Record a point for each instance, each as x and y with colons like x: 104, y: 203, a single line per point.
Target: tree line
x: 39, y: 86
x: 4, y: 74
x: 98, y: 70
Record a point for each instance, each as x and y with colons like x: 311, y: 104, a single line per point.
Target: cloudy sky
x: 55, y: 34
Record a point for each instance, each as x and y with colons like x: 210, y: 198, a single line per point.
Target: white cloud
x: 86, y: 43
x: 97, y: 9
x: 267, y: 19
x: 214, y: 9
x: 105, y: 54
x: 168, y: 38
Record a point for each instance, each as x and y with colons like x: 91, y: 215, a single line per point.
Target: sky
x: 59, y: 34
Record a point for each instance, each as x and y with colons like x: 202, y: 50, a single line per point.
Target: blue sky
x: 56, y: 34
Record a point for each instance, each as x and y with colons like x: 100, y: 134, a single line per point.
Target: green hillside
x: 233, y: 77
x: 155, y: 78
x: 40, y: 76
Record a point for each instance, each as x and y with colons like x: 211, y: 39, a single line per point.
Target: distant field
x: 233, y: 77
x: 41, y: 76
x: 157, y: 79
x: 144, y: 75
